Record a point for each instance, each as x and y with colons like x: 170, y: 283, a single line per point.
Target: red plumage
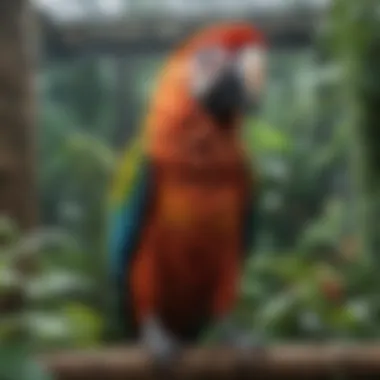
x: 188, y: 264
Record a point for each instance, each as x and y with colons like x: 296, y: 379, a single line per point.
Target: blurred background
x: 314, y: 274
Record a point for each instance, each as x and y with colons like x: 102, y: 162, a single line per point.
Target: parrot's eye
x: 251, y: 65
x: 207, y: 65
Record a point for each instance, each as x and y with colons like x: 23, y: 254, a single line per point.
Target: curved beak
x: 238, y: 88
x: 226, y: 97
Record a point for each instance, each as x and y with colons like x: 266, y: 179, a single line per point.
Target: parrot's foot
x: 162, y: 345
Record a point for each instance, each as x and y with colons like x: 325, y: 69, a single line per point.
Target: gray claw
x: 162, y: 345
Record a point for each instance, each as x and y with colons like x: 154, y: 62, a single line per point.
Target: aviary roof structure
x: 121, y: 27
x: 85, y: 10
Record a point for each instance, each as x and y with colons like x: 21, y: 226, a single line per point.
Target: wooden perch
x: 281, y: 362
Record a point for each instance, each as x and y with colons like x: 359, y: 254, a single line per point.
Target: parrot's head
x: 227, y: 69
x: 208, y: 83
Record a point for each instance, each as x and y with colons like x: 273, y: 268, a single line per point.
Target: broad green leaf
x: 85, y: 325
x: 263, y: 137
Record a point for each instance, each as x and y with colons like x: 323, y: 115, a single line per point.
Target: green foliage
x: 42, y: 300
x: 358, y: 23
x: 299, y: 299
x: 16, y: 364
x: 264, y: 139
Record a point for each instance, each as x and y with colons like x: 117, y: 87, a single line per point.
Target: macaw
x: 184, y: 199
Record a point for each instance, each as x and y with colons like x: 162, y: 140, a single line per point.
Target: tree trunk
x: 17, y: 144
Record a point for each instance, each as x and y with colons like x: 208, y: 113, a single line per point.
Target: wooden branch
x: 280, y: 362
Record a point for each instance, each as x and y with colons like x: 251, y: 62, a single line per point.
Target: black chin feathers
x: 228, y: 98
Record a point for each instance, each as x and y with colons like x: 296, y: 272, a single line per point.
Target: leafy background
x: 308, y: 279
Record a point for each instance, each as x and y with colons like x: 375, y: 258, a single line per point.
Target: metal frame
x: 154, y: 34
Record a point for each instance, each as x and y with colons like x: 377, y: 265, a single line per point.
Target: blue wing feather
x: 130, y: 199
x: 127, y: 221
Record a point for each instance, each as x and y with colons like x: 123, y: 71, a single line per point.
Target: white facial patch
x: 251, y: 65
x: 206, y: 67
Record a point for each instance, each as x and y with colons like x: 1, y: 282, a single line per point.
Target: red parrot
x: 184, y: 199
